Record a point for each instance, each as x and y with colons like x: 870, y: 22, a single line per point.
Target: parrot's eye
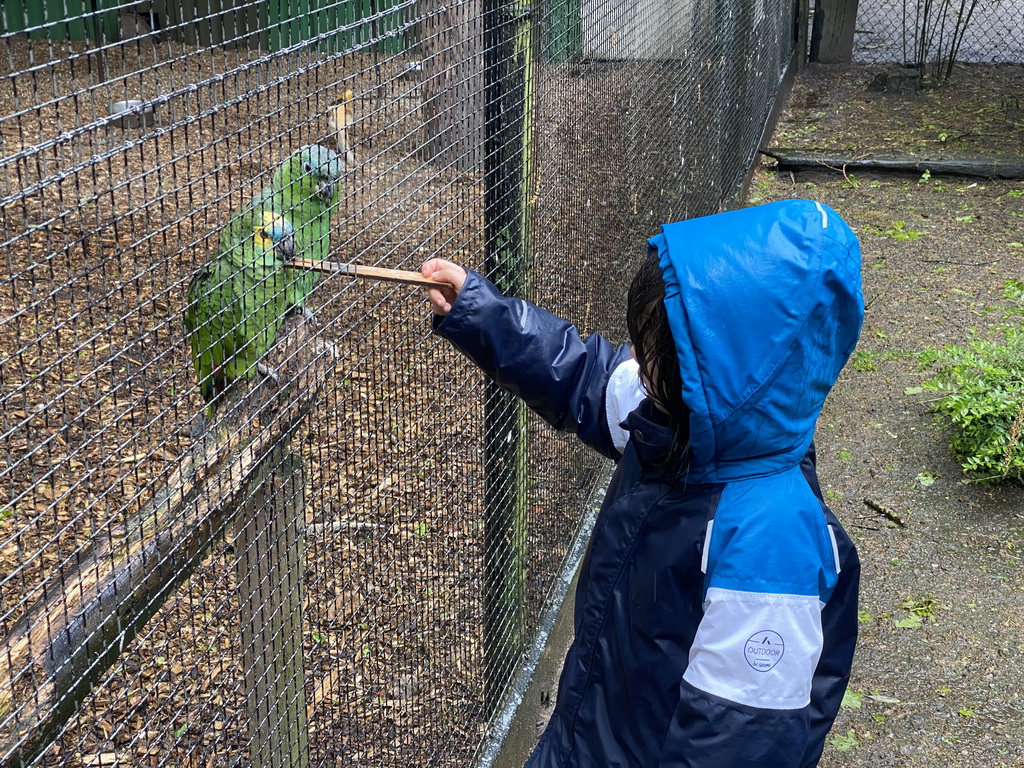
x: 308, y: 167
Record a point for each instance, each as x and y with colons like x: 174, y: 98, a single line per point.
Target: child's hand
x: 441, y: 299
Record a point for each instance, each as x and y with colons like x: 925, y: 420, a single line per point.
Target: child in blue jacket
x: 716, y: 610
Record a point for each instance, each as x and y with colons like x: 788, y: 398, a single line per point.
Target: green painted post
x: 508, y: 60
x: 35, y: 16
x: 273, y: 26
x: 563, y: 39
x: 302, y: 25
x: 69, y: 14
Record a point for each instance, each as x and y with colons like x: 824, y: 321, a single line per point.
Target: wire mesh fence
x: 328, y: 543
x: 919, y: 32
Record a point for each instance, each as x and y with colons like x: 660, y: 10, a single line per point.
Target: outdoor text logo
x: 764, y: 649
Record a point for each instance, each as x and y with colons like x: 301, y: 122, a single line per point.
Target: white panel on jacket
x: 757, y: 649
x: 621, y: 397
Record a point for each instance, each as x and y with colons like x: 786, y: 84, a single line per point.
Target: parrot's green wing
x: 210, y: 317
x: 236, y: 303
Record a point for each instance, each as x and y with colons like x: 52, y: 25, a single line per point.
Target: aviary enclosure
x: 352, y: 566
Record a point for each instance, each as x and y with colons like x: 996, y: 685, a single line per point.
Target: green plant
x: 864, y: 360
x: 852, y: 699
x: 981, y: 396
x: 899, y: 231
x: 845, y: 742
x: 925, y: 479
x: 927, y: 607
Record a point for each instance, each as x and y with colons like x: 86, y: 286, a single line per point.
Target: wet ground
x: 940, y: 664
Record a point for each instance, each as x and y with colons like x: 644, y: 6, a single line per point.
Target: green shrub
x: 981, y: 388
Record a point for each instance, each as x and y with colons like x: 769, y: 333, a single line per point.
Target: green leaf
x: 843, y: 743
x: 864, y: 617
x: 913, y: 390
x: 864, y: 361
x: 911, y: 622
x: 852, y: 699
x: 927, y: 606
x: 925, y: 479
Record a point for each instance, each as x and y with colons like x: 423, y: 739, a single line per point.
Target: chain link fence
x: 918, y: 32
x: 342, y: 564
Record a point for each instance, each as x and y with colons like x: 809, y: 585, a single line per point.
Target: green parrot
x: 236, y: 303
x: 306, y: 189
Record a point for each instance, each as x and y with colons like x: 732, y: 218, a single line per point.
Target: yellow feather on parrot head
x: 275, y: 231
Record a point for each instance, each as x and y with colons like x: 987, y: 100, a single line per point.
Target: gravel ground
x: 937, y: 677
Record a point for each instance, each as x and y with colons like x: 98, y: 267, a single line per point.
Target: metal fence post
x: 268, y: 565
x: 508, y: 56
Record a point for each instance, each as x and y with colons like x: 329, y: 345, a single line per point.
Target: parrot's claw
x: 269, y: 372
x: 308, y: 316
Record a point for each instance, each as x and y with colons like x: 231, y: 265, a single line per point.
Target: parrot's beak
x: 325, y: 190
x: 286, y: 247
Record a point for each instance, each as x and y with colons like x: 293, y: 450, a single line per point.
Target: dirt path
x: 940, y: 665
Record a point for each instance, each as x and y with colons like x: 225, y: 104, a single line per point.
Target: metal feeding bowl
x: 133, y: 113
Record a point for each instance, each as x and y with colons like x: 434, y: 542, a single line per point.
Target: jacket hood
x: 765, y: 307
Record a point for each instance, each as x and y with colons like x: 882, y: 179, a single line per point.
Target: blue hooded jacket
x: 716, y: 613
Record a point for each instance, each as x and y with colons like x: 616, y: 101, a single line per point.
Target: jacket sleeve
x: 712, y: 732
x: 582, y: 386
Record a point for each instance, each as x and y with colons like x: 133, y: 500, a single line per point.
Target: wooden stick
x: 885, y: 512
x: 371, y: 273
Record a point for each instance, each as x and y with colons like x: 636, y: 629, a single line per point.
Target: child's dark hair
x: 655, y: 351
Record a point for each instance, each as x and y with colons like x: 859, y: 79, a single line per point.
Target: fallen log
x: 988, y: 166
x: 87, y: 613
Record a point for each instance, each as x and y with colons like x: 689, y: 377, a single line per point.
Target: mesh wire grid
x: 364, y: 594
x: 926, y: 31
